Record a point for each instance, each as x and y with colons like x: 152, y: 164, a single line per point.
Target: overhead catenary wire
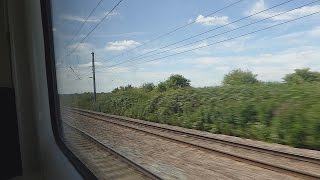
x: 205, y: 32
x: 75, y: 73
x: 177, y: 29
x: 85, y: 37
x: 81, y: 26
x: 218, y: 42
x: 216, y: 35
x: 83, y: 23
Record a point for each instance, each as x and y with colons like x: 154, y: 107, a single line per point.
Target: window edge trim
x: 52, y: 91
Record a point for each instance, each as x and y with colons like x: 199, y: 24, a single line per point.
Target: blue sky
x: 270, y: 54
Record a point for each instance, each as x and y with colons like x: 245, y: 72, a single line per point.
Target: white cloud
x: 202, y: 71
x: 298, y: 13
x: 257, y: 7
x: 315, y: 31
x: 54, y: 29
x: 212, y: 20
x: 119, y: 34
x: 83, y: 51
x: 112, y: 13
x: 260, y: 6
x: 121, y: 45
x: 59, y: 65
x: 79, y: 19
x: 89, y: 64
x: 301, y: 37
x: 92, y: 19
x: 119, y: 70
x: 81, y: 47
x: 269, y: 67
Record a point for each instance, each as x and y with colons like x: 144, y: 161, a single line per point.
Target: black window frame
x: 53, y: 91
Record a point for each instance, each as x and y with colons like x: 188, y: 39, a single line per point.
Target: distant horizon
x: 219, y: 85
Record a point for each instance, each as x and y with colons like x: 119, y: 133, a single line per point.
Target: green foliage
x: 115, y: 90
x: 78, y: 100
x: 148, y: 87
x: 162, y: 87
x: 302, y: 76
x: 240, y: 77
x: 123, y: 88
x: 285, y: 113
x: 177, y: 81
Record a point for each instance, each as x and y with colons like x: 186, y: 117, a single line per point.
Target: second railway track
x: 289, y: 163
x: 84, y: 142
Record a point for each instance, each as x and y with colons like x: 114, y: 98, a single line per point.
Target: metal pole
x: 94, y: 79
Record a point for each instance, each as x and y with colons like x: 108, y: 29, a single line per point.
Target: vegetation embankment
x: 286, y: 113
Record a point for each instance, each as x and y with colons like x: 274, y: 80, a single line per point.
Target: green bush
x: 274, y: 112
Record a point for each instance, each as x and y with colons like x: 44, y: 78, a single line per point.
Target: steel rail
x: 131, y: 163
x: 259, y: 163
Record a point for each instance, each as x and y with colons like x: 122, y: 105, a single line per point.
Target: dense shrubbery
x: 286, y: 113
x: 239, y: 77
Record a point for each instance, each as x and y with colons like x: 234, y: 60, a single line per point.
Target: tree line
x: 286, y: 113
x: 234, y: 78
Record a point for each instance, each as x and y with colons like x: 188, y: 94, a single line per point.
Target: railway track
x: 108, y: 163
x: 289, y: 163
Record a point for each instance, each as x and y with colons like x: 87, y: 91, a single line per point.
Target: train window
x: 188, y: 89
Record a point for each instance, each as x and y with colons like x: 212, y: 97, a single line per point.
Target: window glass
x: 188, y: 89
